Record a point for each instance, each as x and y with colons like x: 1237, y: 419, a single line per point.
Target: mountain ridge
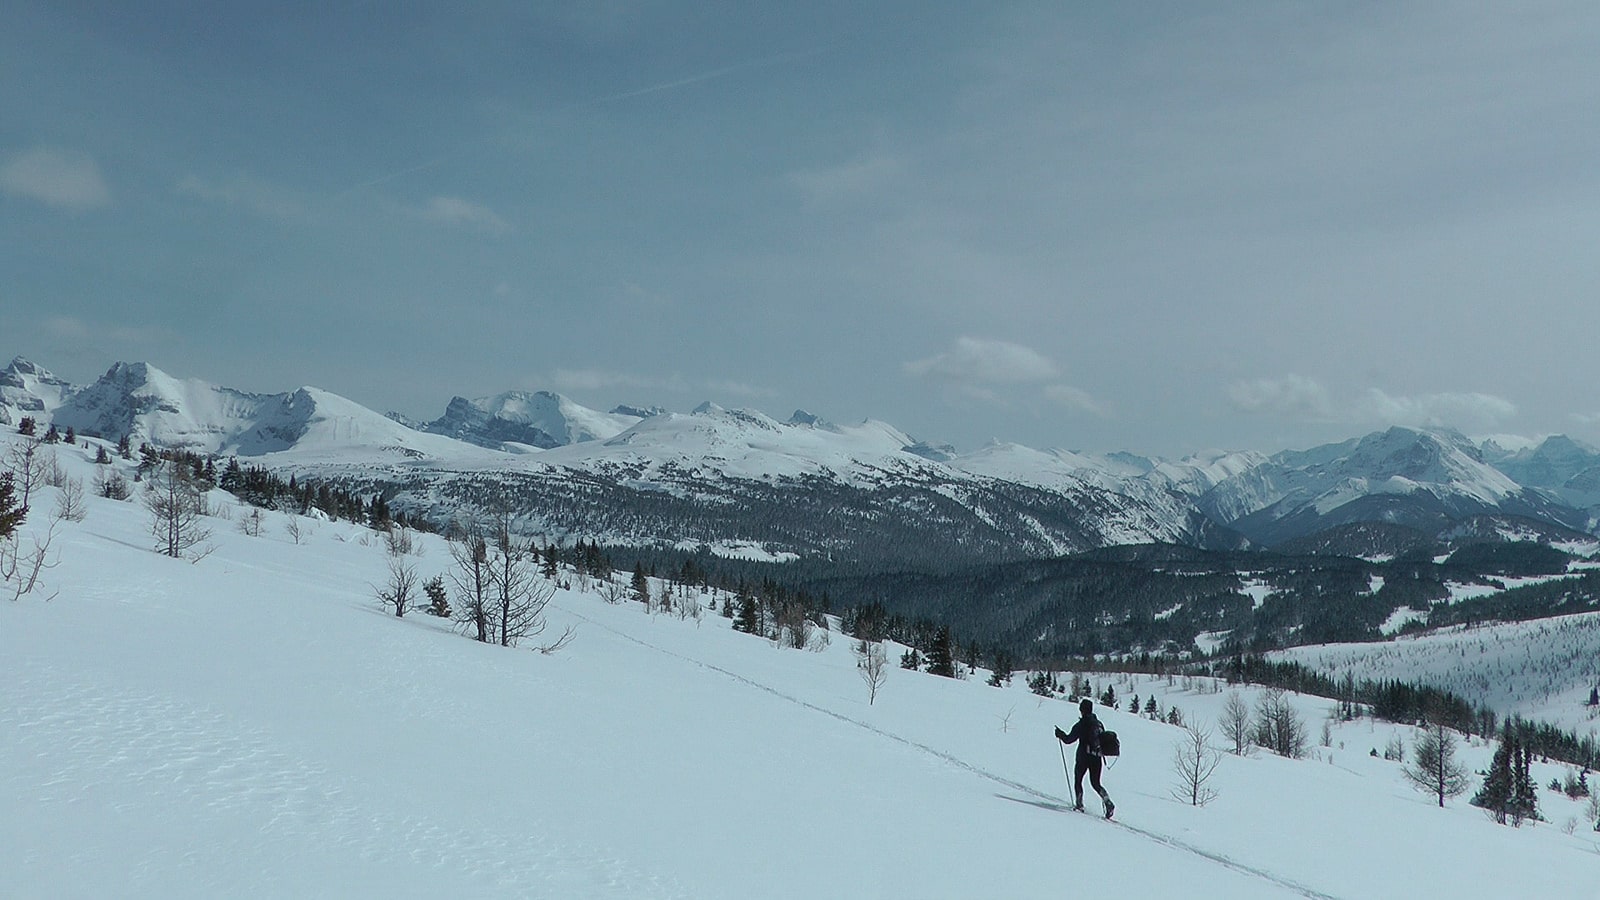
x: 1033, y: 501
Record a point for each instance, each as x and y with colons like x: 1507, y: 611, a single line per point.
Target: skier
x: 1087, y: 735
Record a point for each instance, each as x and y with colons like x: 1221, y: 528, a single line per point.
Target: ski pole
x: 1066, y: 774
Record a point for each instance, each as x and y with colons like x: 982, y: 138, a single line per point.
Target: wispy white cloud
x: 1071, y: 398
x: 856, y: 178
x: 1297, y: 397
x: 985, y: 361
x: 455, y: 211
x: 1461, y: 410
x: 1291, y: 395
x: 65, y: 179
x: 739, y: 389
x: 76, y: 329
x: 246, y: 192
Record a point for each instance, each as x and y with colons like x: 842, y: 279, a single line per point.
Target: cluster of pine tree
x: 1509, y: 792
x: 259, y: 487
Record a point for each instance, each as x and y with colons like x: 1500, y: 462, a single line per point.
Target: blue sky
x: 1161, y: 227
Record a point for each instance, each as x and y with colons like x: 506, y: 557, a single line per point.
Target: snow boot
x: 1110, y: 807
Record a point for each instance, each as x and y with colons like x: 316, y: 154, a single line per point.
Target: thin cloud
x: 985, y: 361
x: 65, y: 179
x: 245, y: 192
x: 1301, y: 398
x: 1461, y: 410
x: 857, y: 178
x: 1071, y: 398
x: 457, y: 212
x: 1292, y: 395
x: 75, y: 329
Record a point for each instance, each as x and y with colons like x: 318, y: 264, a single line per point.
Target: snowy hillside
x: 1543, y: 669
x: 252, y: 724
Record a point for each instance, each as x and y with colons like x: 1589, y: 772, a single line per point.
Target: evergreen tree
x: 1525, y: 793
x: 1594, y: 696
x: 27, y: 426
x: 438, y: 602
x: 941, y: 659
x: 641, y: 587
x: 550, y: 567
x: 52, y: 436
x: 11, y: 512
x: 1002, y: 669
x: 101, y: 456
x: 747, y: 614
x: 125, y: 447
x: 1495, y: 796
x: 1151, y: 708
x: 1108, y: 699
x: 911, y: 659
x: 72, y: 436
x: 1133, y: 703
x: 1042, y: 683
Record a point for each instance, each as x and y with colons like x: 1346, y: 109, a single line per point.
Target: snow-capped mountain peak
x: 29, y: 390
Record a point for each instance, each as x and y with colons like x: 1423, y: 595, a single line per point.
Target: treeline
x: 1397, y: 701
x: 260, y: 487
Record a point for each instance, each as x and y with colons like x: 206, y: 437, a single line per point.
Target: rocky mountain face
x: 26, y: 390
x: 538, y: 419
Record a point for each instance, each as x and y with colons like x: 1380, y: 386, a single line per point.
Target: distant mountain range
x: 740, y: 483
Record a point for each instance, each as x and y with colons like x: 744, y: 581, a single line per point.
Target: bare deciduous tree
x: 70, y: 506
x: 1235, y: 723
x: 26, y: 461
x: 401, y: 588
x: 1278, y: 726
x: 471, y: 579
x: 291, y: 527
x: 23, y: 559
x: 251, y: 523
x: 873, y: 664
x: 1434, y: 768
x: 177, y: 504
x: 1194, y: 761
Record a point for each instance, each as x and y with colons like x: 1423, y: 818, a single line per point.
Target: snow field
x: 254, y: 725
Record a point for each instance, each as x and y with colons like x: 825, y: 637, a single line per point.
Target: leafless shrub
x: 1194, y: 761
x: 252, y: 522
x: 177, y: 505
x: 1235, y: 723
x: 70, y: 506
x: 872, y: 662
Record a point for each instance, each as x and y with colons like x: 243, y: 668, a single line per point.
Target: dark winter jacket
x: 1086, y: 734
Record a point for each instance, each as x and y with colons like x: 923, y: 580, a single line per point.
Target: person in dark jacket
x: 1086, y: 734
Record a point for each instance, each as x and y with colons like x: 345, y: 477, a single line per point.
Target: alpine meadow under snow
x: 251, y: 722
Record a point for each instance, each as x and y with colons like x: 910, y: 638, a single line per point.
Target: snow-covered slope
x: 1544, y: 669
x: 539, y: 419
x: 252, y: 725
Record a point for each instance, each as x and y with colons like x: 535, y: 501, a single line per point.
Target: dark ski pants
x: 1090, y: 764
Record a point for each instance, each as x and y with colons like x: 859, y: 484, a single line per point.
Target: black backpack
x: 1109, y: 745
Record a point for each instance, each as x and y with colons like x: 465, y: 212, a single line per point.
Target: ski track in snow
x: 1051, y: 801
x: 73, y: 739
